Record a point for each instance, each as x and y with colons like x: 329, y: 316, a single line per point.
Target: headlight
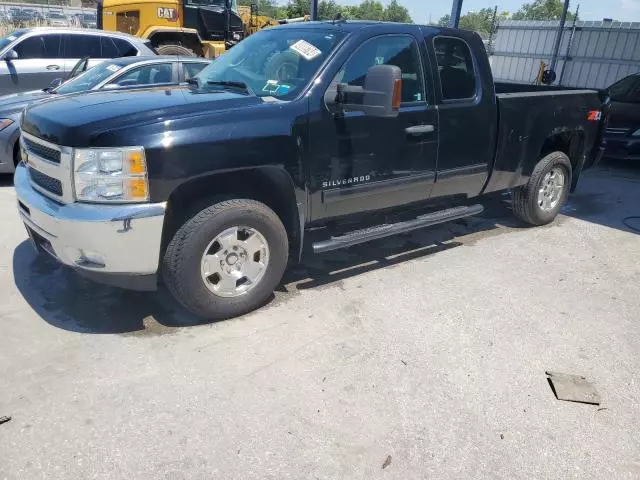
x: 111, y: 175
x: 636, y: 133
x: 4, y: 123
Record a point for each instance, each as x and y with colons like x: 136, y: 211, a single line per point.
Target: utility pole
x: 556, y: 48
x: 314, y: 10
x: 456, y: 8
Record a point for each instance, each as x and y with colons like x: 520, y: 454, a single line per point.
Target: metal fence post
x: 556, y: 48
x: 456, y: 8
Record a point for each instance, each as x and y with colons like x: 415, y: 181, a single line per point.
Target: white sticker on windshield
x: 113, y: 68
x: 305, y: 49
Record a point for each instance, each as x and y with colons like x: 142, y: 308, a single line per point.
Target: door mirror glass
x: 380, y: 96
x: 55, y: 84
x: 11, y: 55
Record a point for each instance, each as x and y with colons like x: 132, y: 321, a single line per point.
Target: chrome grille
x: 42, y: 151
x: 51, y: 185
x: 49, y: 167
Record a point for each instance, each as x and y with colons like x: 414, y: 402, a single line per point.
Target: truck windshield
x: 273, y: 62
x: 88, y: 79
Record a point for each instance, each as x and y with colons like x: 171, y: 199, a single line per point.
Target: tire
x: 184, y: 270
x: 526, y: 198
x: 17, y: 157
x: 173, y: 49
x: 281, y: 65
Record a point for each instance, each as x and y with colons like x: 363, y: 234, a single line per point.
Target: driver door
x: 360, y: 162
x: 37, y: 65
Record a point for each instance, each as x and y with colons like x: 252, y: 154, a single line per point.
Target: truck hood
x: 16, y: 102
x: 76, y: 120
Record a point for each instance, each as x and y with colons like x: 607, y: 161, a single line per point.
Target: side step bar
x: 388, y: 229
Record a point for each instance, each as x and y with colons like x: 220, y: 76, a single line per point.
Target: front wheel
x: 227, y: 259
x: 540, y: 199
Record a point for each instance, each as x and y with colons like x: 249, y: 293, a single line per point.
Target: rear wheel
x: 227, y: 259
x: 540, y: 199
x: 174, y: 49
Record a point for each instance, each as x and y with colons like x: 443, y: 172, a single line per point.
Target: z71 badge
x: 168, y: 13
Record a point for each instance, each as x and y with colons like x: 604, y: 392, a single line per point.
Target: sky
x: 423, y: 10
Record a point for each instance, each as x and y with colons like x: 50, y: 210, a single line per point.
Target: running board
x: 388, y: 229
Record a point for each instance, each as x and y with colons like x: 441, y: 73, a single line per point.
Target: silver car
x: 115, y: 74
x: 32, y: 58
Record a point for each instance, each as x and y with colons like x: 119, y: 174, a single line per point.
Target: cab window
x: 397, y: 50
x: 157, y: 74
x: 455, y: 65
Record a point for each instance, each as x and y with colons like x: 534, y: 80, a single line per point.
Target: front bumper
x: 113, y: 244
x: 627, y: 148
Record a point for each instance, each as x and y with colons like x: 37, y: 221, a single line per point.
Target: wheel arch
x: 272, y: 186
x: 180, y: 36
x: 571, y: 142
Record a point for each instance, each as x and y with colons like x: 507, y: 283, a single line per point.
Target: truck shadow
x: 67, y: 301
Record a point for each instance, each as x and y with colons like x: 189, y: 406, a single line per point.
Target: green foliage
x: 480, y: 21
x: 367, y: 10
x: 542, y: 10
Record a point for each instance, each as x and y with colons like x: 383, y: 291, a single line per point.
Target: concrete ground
x: 423, y: 354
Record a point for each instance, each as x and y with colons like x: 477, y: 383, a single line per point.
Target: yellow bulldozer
x: 203, y: 28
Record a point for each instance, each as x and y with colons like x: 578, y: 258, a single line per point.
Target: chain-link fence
x: 21, y: 15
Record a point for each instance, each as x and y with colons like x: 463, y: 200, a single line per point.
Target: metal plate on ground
x: 573, y: 388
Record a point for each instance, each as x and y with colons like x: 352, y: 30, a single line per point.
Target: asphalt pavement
x: 416, y: 357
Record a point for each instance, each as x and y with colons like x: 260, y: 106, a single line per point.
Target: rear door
x: 468, y: 114
x: 37, y: 65
x: 80, y: 45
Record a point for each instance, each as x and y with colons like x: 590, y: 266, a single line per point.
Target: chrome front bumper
x: 108, y: 243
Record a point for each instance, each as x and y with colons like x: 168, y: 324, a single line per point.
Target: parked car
x: 88, y: 20
x: 117, y: 74
x: 32, y: 58
x: 623, y: 132
x: 57, y: 19
x: 296, y: 129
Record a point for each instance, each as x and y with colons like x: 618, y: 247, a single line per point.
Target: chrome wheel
x: 235, y: 261
x: 551, y: 190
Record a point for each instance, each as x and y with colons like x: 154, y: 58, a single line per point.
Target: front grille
x: 42, y: 151
x: 51, y: 185
x: 618, y: 131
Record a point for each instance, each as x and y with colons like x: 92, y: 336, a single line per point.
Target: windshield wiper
x: 224, y: 83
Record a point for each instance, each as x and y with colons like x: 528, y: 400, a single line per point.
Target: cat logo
x: 168, y: 13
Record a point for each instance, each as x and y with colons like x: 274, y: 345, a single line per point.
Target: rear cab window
x: 456, y: 68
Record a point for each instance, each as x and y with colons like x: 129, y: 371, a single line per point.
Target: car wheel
x: 173, y: 49
x: 227, y: 259
x: 540, y: 199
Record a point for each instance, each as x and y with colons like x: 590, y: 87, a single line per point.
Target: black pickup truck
x: 213, y: 186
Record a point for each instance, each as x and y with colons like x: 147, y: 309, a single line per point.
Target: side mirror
x: 10, y: 55
x: 380, y: 97
x: 55, y: 84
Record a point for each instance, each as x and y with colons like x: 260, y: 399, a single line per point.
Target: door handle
x: 420, y: 129
x: 53, y: 67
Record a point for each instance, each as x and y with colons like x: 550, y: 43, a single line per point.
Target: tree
x: 328, y: 10
x: 268, y: 8
x: 542, y: 10
x: 481, y: 21
x: 298, y: 8
x: 397, y: 13
x: 370, y: 10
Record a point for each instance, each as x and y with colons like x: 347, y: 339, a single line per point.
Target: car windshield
x: 272, y: 62
x: 10, y: 38
x: 626, y: 90
x: 88, y: 79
